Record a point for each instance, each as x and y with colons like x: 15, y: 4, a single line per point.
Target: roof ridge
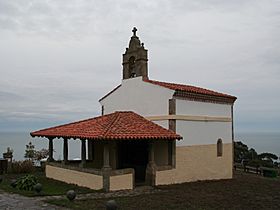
x: 111, y: 124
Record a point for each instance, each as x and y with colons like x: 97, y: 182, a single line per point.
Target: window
x: 219, y: 148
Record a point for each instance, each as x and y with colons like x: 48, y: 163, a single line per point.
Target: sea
x: 17, y: 141
x: 260, y: 141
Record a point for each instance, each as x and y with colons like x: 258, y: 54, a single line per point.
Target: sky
x: 58, y: 57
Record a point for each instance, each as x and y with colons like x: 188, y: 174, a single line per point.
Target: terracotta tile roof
x: 118, y: 125
x: 188, y: 88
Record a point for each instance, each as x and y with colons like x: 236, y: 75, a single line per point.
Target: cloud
x: 59, y: 57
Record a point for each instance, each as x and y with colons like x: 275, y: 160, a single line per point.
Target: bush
x: 25, y: 166
x: 27, y: 182
x: 255, y: 163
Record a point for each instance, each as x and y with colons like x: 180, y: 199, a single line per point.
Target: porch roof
x: 116, y: 126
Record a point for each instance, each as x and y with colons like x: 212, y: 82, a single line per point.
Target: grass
x: 50, y: 186
x: 244, y: 191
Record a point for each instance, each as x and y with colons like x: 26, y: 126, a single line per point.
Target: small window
x: 219, y: 148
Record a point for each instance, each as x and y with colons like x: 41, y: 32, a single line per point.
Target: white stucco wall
x: 162, y: 123
x: 141, y: 97
x: 203, y: 132
x: 186, y: 107
x: 151, y: 100
x: 200, y: 133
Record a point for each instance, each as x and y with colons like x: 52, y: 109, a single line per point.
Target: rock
x: 38, y: 187
x: 111, y: 205
x: 14, y: 183
x: 71, y: 195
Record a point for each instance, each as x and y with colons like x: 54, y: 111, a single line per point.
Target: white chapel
x: 204, y: 118
x: 149, y: 133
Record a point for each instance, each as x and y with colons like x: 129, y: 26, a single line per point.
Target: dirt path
x: 9, y: 201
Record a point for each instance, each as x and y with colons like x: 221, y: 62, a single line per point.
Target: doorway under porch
x: 134, y: 154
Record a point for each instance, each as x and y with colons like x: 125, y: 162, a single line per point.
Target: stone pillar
x: 106, y: 156
x: 83, y: 152
x: 65, y: 150
x: 172, y: 111
x: 151, y: 167
x: 172, y: 153
x: 7, y: 165
x: 106, y: 170
x: 50, y: 159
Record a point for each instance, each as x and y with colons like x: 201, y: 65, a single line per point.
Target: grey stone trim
x: 172, y: 126
x: 172, y: 111
x: 164, y: 168
x: 122, y: 171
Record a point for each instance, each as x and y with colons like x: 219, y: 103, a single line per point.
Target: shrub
x: 255, y: 163
x: 25, y: 166
x: 27, y: 182
x: 30, y: 151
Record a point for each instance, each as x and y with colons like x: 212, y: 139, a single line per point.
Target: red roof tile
x: 188, y: 88
x: 118, y: 125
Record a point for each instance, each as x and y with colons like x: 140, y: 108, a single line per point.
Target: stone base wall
x: 122, y: 179
x: 122, y: 182
x: 79, y: 178
x: 198, y: 162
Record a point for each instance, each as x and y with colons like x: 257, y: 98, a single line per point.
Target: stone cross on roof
x: 134, y: 31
